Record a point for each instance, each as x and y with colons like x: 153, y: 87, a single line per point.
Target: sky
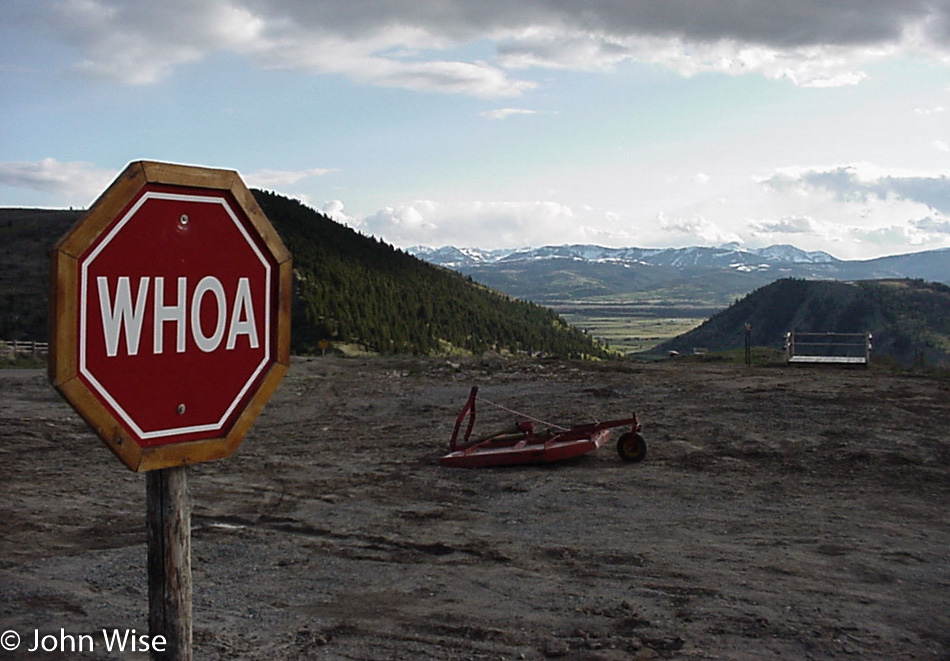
x: 824, y: 124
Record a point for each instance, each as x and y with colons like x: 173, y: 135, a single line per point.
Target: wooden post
x: 748, y: 345
x: 168, y: 517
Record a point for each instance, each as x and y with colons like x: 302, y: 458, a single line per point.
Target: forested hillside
x: 909, y: 319
x: 26, y: 236
x: 350, y: 288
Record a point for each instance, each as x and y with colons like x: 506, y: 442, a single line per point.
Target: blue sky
x: 820, y: 123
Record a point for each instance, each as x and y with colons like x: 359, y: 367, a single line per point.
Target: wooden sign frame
x: 64, y: 310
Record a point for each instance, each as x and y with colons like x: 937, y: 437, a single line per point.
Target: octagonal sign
x: 170, y: 314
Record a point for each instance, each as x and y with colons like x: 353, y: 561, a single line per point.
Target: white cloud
x: 932, y: 225
x: 864, y: 210
x: 791, y: 206
x: 417, y: 45
x: 887, y: 236
x: 277, y: 178
x: 334, y: 209
x: 76, y: 183
x: 864, y: 182
x: 786, y: 225
x: 403, y: 220
x: 556, y: 47
x: 482, y: 224
x: 697, y: 230
x: 505, y: 113
x: 822, y: 65
x: 141, y: 42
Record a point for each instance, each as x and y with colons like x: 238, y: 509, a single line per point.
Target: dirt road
x: 789, y: 513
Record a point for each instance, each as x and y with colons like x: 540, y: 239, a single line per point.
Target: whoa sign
x: 170, y: 314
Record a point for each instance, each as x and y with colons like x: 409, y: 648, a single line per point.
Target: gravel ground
x: 793, y: 513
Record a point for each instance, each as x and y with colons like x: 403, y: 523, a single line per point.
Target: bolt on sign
x: 170, y: 314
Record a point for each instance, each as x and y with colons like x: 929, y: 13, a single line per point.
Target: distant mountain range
x: 695, y: 276
x: 731, y: 256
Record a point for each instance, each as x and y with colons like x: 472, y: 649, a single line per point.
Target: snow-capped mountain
x: 793, y: 255
x: 724, y: 256
x: 452, y: 257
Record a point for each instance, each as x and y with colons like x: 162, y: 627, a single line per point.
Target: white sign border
x: 83, y: 289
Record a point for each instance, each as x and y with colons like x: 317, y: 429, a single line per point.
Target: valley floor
x: 781, y: 513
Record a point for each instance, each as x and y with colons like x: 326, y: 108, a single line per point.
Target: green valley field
x: 633, y: 326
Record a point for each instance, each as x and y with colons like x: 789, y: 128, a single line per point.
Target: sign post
x: 168, y: 522
x: 170, y: 330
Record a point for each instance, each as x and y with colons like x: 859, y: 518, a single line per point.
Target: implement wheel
x: 632, y: 447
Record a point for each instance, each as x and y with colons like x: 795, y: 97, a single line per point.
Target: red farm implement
x: 521, y: 444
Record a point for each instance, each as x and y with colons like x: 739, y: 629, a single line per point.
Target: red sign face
x: 175, y: 310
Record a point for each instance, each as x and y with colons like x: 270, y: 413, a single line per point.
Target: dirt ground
x: 790, y: 513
